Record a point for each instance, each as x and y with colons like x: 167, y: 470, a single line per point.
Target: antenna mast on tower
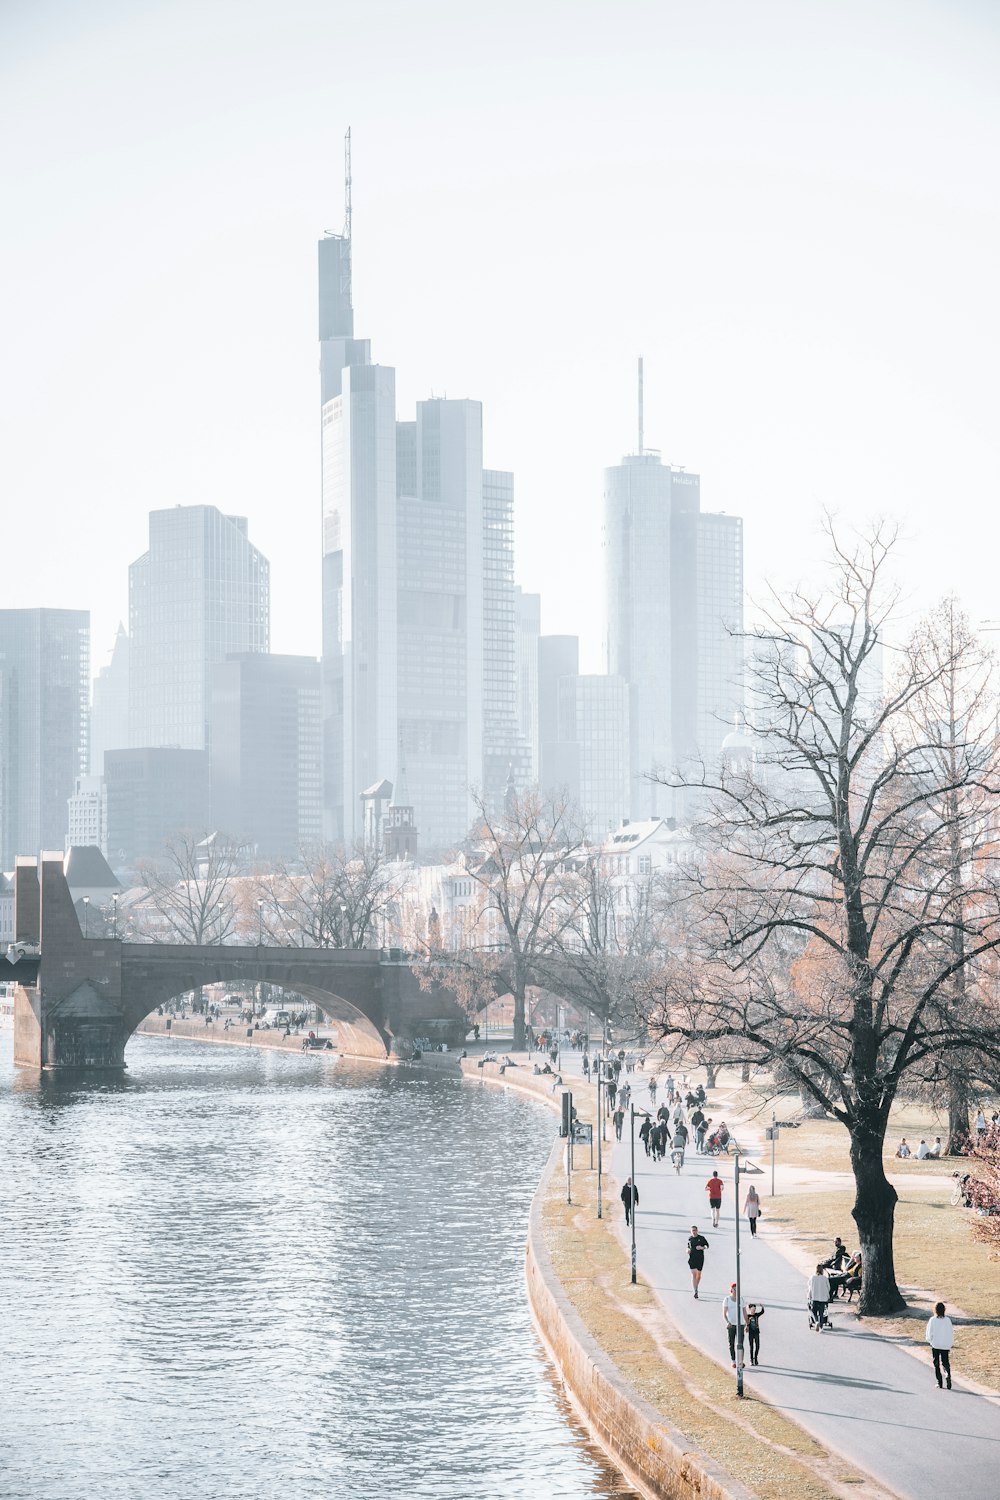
x: 640, y: 403
x: 345, y: 263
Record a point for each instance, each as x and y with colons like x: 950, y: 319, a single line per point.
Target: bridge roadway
x: 89, y: 994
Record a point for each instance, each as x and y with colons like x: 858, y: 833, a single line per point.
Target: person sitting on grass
x: 903, y: 1150
x: 923, y: 1150
x: 934, y: 1152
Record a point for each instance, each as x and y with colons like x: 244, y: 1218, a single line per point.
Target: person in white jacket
x: 818, y: 1292
x: 941, y: 1337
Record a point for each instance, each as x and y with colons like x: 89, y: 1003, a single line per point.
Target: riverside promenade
x: 857, y: 1392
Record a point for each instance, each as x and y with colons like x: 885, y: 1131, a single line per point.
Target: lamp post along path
x: 600, y: 1209
x: 739, y: 1300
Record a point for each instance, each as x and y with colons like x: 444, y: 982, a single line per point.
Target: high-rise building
x: 593, y: 717
x: 674, y: 618
x: 439, y: 570
x: 528, y: 617
x: 151, y: 795
x: 200, y: 593
x: 358, y: 416
x: 109, y: 723
x: 559, y: 760
x: 86, y: 824
x: 44, y: 698
x: 265, y: 763
x: 506, y: 752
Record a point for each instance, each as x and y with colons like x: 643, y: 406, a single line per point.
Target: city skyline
x: 720, y: 236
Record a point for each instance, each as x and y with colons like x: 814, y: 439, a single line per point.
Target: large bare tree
x: 332, y: 897
x: 191, y: 890
x: 522, y: 859
x: 843, y: 834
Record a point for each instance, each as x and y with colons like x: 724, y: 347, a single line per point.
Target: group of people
x: 923, y: 1151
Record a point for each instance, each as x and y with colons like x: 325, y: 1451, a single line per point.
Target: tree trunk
x: 518, y: 993
x: 745, y: 1073
x: 958, y: 1112
x: 873, y: 1213
x: 711, y: 1075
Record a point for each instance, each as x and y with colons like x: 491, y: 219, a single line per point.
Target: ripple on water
x: 238, y: 1274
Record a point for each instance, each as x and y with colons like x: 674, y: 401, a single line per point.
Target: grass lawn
x: 754, y: 1442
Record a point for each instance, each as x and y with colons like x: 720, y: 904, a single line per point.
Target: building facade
x: 528, y: 616
x: 265, y: 763
x: 200, y: 592
x: 593, y: 719
x: 151, y: 795
x: 109, y: 721
x: 506, y: 753
x: 674, y: 584
x: 44, y: 706
x: 440, y: 657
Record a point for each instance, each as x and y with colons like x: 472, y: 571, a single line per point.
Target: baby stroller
x: 817, y: 1316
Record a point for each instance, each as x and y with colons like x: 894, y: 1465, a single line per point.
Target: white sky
x: 790, y: 209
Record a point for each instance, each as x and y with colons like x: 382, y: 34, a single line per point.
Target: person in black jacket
x: 697, y: 1245
x: 630, y: 1197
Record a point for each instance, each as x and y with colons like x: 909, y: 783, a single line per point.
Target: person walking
x: 819, y: 1296
x: 630, y: 1198
x: 941, y: 1337
x: 700, y: 1131
x: 697, y: 1245
x: 755, y: 1311
x: 619, y: 1119
x: 752, y: 1210
x: 714, y: 1187
x: 652, y: 1090
x: 734, y: 1313
x: 645, y: 1131
x: 980, y: 1127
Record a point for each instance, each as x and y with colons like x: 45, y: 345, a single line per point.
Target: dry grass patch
x: 753, y: 1441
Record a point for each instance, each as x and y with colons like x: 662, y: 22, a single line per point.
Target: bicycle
x: 677, y: 1157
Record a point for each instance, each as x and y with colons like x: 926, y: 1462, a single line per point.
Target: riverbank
x: 196, y: 1029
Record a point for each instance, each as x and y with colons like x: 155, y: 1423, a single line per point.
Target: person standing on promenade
x: 819, y: 1297
x: 754, y: 1312
x: 630, y: 1197
x: 619, y: 1119
x: 752, y: 1210
x: 697, y: 1245
x: 714, y: 1187
x: 941, y: 1337
x: 734, y: 1313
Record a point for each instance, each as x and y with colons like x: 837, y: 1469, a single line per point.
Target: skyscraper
x: 440, y: 663
x: 358, y: 425
x: 674, y: 579
x: 528, y: 618
x: 265, y: 765
x: 200, y: 592
x: 44, y: 697
x: 505, y: 749
x: 109, y: 724
x: 593, y: 717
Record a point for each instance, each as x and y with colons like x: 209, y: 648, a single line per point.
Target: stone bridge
x: 89, y: 994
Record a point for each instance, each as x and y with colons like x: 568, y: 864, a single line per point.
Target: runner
x: 697, y: 1245
x: 714, y: 1187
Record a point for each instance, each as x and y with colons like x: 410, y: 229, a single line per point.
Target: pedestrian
x: 645, y: 1131
x: 652, y: 1091
x: 941, y: 1337
x: 612, y: 1089
x: 586, y: 1067
x: 754, y: 1313
x: 752, y: 1210
x: 630, y: 1198
x: 714, y: 1187
x: 619, y: 1119
x: 980, y: 1127
x: 819, y: 1296
x: 734, y: 1313
x: 701, y: 1130
x: 697, y: 1245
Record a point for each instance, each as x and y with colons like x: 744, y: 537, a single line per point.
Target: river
x: 236, y: 1274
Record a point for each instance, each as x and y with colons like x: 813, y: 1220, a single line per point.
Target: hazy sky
x: 790, y: 209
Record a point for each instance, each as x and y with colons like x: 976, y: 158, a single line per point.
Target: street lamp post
x: 739, y: 1306
x: 114, y: 914
x: 260, y: 921
x: 600, y: 1080
x: 86, y: 916
x: 343, y: 924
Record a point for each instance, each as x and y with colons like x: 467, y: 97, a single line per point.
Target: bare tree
x: 522, y: 860
x: 333, y: 898
x: 604, y: 952
x: 843, y: 834
x: 191, y: 889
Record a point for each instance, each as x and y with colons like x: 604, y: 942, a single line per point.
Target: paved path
x: 859, y: 1394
